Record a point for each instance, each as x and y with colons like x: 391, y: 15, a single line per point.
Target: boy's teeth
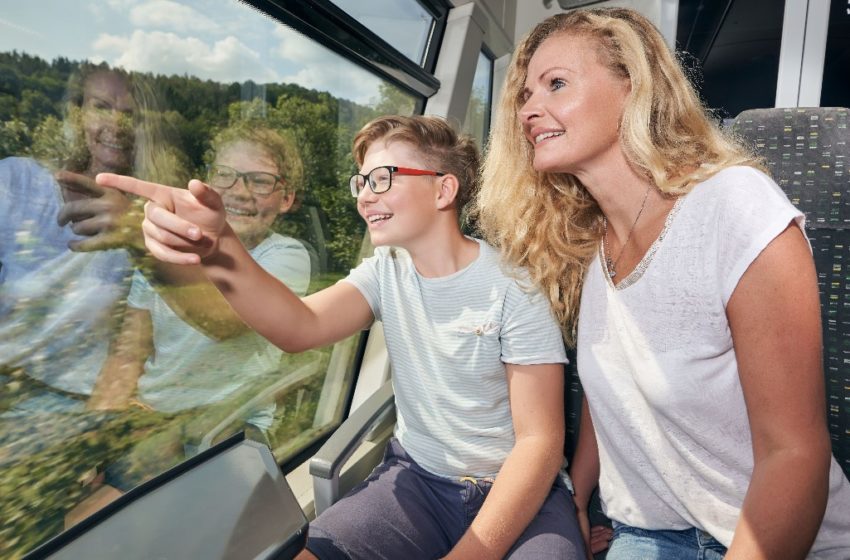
x: 237, y: 211
x: 379, y: 217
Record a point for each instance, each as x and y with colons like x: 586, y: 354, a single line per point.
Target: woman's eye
x: 556, y: 83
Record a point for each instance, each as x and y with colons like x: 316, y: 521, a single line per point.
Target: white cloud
x: 344, y: 81
x: 121, y: 5
x: 227, y: 60
x: 166, y: 14
x: 297, y: 48
x: 106, y: 44
x: 324, y: 70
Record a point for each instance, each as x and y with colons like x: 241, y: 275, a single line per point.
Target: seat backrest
x: 808, y: 153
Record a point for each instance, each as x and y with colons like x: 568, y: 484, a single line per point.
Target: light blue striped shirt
x: 449, y: 339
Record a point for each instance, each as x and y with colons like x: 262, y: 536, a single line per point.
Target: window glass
x: 112, y: 367
x: 477, y: 121
x: 732, y: 49
x: 836, y: 66
x: 404, y: 24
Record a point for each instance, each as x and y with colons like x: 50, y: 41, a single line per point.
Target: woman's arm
x: 774, y: 315
x: 584, y: 472
x: 525, y: 480
x: 124, y: 364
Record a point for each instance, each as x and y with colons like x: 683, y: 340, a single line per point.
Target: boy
x: 195, y: 350
x: 180, y: 346
x: 477, y: 361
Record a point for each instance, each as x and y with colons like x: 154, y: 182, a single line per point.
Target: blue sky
x: 210, y: 39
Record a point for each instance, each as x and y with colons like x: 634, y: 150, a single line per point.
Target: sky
x: 210, y: 39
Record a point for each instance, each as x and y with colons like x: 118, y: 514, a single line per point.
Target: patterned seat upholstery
x: 808, y: 153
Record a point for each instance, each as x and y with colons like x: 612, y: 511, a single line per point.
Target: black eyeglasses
x: 258, y: 182
x: 380, y: 179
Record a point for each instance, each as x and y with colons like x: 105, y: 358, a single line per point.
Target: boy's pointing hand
x: 181, y: 226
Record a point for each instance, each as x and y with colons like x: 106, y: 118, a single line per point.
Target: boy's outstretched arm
x: 189, y: 227
x: 526, y: 478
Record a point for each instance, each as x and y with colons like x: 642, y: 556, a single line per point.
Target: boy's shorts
x: 404, y: 511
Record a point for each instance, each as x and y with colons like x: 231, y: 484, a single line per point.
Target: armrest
x: 326, y: 465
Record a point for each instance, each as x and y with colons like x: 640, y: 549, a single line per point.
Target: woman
x: 699, y: 337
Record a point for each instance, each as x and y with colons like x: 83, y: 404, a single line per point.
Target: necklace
x: 611, y: 265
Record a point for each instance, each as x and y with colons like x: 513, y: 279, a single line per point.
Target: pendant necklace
x: 611, y: 265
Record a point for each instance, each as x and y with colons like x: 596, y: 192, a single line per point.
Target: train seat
x: 807, y: 151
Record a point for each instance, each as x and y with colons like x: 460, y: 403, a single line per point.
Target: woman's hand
x: 108, y: 219
x: 181, y: 226
x: 600, y: 536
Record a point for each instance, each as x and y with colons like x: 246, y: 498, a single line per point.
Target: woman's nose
x: 529, y: 109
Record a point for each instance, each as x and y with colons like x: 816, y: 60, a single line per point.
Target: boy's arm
x: 536, y: 395
x: 584, y: 471
x: 269, y: 307
x: 196, y: 300
x: 116, y: 384
x: 188, y: 226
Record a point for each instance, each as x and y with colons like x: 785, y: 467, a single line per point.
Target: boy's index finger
x: 160, y: 194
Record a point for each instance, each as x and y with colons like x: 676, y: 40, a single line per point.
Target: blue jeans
x: 632, y: 543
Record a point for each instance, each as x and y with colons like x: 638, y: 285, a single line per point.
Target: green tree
x: 393, y: 101
x: 34, y: 107
x: 8, y: 107
x: 48, y: 141
x: 14, y: 138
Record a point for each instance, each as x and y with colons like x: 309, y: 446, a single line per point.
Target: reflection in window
x: 114, y: 367
x: 404, y: 24
x: 836, y: 64
x: 477, y: 121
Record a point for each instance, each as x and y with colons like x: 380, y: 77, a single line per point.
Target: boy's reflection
x: 182, y: 351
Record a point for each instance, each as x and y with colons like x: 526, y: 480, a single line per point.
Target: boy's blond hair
x: 442, y: 148
x: 276, y: 145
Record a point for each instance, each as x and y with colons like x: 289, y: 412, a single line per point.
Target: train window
x: 114, y: 368
x: 836, y: 67
x: 404, y: 24
x: 477, y: 121
x: 733, y: 48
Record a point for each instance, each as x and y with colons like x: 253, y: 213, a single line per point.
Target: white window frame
x: 801, y: 56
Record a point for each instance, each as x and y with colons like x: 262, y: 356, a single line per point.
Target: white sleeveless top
x: 656, y: 360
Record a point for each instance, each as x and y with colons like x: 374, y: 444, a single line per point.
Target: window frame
x: 330, y: 26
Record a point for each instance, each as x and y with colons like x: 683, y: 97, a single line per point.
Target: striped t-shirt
x: 448, y: 340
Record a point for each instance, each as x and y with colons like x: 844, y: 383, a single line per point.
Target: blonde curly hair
x: 548, y: 222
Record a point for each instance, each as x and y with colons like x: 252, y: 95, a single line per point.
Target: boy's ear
x: 286, y: 201
x: 449, y: 187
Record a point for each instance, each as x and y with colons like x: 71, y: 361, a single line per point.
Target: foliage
x: 14, y: 138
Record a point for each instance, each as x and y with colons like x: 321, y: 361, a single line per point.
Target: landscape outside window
x: 114, y: 368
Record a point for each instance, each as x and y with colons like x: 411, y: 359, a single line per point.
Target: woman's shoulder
x: 738, y: 182
x: 736, y: 190
x: 19, y: 169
